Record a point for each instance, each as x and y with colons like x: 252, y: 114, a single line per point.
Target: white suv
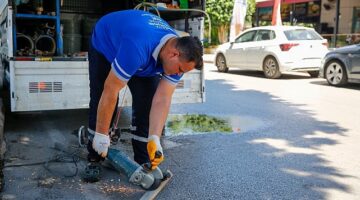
x: 274, y: 49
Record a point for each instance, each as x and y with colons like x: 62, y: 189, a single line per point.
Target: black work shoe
x: 92, y: 172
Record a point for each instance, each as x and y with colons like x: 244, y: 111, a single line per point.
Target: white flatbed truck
x: 39, y: 76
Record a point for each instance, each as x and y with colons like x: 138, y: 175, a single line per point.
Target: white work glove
x: 101, y: 143
x: 155, y: 151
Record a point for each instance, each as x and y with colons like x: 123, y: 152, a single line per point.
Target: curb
x: 208, y: 58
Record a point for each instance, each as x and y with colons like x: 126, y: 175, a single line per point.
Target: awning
x: 270, y: 3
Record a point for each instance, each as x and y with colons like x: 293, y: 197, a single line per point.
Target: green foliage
x: 198, y: 124
x: 220, y: 12
x: 250, y: 10
x: 264, y: 23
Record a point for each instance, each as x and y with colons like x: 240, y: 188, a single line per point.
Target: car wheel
x: 271, y: 68
x: 335, y: 73
x: 314, y: 74
x: 221, y: 63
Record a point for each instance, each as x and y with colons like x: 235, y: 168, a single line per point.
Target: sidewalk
x: 208, y: 58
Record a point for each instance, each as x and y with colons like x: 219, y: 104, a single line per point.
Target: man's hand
x: 155, y: 151
x: 101, y: 143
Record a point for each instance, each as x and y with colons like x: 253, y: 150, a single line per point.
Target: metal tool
x: 115, y: 131
x: 141, y: 175
x: 138, y: 174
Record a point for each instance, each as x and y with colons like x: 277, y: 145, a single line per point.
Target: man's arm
x: 160, y: 107
x: 107, y: 102
x: 159, y: 110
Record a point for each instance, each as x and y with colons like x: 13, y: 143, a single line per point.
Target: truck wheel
x: 2, y: 75
x: 271, y: 68
x: 221, y: 63
x: 335, y: 73
x: 2, y: 142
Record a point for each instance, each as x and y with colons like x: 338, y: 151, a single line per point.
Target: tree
x: 220, y: 12
x: 250, y: 10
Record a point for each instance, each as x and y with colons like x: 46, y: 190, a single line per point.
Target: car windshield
x: 302, y: 34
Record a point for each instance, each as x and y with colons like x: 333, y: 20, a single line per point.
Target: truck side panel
x: 58, y: 85
x: 35, y: 85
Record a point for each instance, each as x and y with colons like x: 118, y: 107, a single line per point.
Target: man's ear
x: 175, y: 52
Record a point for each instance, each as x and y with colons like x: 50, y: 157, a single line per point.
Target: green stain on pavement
x: 198, y: 123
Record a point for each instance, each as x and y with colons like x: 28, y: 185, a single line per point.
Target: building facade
x: 349, y: 18
x: 325, y: 16
x: 292, y: 12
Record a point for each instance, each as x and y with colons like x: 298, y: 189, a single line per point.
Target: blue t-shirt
x: 131, y: 41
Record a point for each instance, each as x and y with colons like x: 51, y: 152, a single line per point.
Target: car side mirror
x: 231, y: 45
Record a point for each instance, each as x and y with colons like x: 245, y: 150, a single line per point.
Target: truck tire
x: 2, y: 143
x: 2, y: 75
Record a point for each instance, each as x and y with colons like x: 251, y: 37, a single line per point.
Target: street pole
x: 336, y: 30
x: 292, y: 11
x: 257, y: 17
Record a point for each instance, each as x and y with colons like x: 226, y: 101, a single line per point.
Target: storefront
x: 319, y: 14
x: 356, y: 20
x: 292, y: 12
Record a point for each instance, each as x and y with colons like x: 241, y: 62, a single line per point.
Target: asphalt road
x: 298, y: 139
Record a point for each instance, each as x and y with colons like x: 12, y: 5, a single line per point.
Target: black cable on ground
x: 59, y: 158
x: 63, y: 159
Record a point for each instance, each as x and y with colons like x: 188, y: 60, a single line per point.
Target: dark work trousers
x: 142, y: 90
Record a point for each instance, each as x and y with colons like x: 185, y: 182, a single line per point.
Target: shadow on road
x: 260, y: 74
x: 352, y: 86
x: 31, y: 138
x: 281, y: 160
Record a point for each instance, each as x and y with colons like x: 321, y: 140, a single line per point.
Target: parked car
x: 274, y: 49
x: 342, y: 65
